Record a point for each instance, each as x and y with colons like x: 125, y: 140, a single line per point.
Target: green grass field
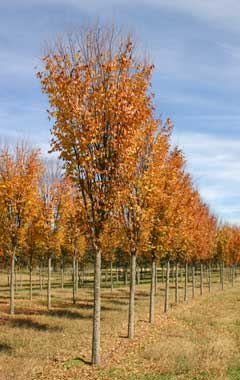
x: 195, y: 341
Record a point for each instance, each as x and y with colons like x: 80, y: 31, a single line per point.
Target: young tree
x: 98, y: 97
x: 20, y: 170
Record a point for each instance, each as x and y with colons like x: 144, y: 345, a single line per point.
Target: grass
x: 195, y: 341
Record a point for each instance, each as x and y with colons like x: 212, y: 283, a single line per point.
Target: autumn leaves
x: 123, y: 187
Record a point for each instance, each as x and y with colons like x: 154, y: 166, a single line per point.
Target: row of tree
x: 123, y: 189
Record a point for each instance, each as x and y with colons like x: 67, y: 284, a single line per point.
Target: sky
x: 194, y: 45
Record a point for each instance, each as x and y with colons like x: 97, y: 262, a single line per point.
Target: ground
x: 196, y: 340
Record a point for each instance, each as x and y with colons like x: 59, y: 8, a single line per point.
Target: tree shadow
x: 34, y: 325
x: 66, y: 314
x: 4, y: 348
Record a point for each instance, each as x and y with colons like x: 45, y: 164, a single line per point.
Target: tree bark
x: 132, y: 296
x: 74, y: 279
x: 222, y: 275
x: 111, y: 276
x: 49, y: 283
x: 201, y: 279
x: 186, y: 283
x: 193, y: 281
x: 12, y: 280
x: 209, y: 277
x: 176, y: 285
x: 96, y: 308
x: 30, y: 279
x: 152, y: 292
x: 166, y: 301
x: 62, y: 273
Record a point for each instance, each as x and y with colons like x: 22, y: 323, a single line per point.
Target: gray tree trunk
x: 193, y: 281
x: 201, y: 279
x: 186, y: 283
x: 77, y: 279
x: 166, y: 301
x: 62, y: 273
x: 152, y: 292
x: 222, y: 275
x: 49, y: 283
x: 209, y: 277
x: 30, y: 280
x: 74, y: 279
x: 111, y: 275
x: 132, y: 296
x: 96, y: 308
x: 176, y: 285
x: 12, y: 280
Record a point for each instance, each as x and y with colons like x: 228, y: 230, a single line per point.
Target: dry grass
x: 200, y: 340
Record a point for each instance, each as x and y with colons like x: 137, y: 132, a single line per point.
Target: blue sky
x: 194, y: 45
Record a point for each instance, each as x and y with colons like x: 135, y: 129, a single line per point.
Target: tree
x: 98, y: 97
x: 20, y: 171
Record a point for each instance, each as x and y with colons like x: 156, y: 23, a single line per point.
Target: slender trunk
x: 12, y: 278
x: 49, y: 283
x: 176, y: 285
x: 193, y: 281
x: 96, y: 308
x: 111, y: 275
x: 152, y: 292
x: 132, y: 296
x: 166, y: 301
x: 209, y: 277
x: 74, y: 279
x: 62, y: 273
x: 186, y: 283
x: 156, y: 279
x: 30, y: 279
x: 201, y: 279
x: 222, y: 276
x: 232, y: 275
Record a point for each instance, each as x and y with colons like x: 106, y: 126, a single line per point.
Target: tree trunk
x: 186, y: 283
x: 232, y: 275
x: 209, y: 277
x: 156, y: 279
x: 49, y: 283
x: 62, y: 273
x: 40, y: 277
x: 132, y: 296
x: 74, y: 279
x: 30, y: 279
x: 12, y: 280
x: 166, y: 301
x: 96, y: 308
x: 152, y: 292
x: 193, y: 281
x: 176, y: 285
x: 201, y: 279
x: 111, y: 275
x: 222, y: 275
